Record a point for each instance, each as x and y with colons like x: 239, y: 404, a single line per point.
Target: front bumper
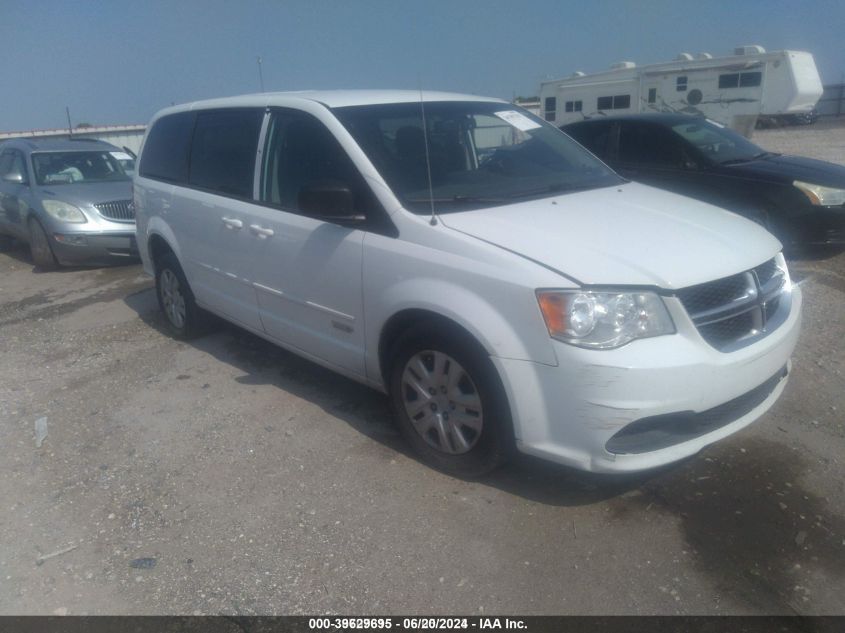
x: 821, y: 226
x: 94, y: 248
x: 568, y: 413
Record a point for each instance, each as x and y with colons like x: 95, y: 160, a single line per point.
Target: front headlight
x: 603, y: 320
x: 63, y: 211
x: 821, y: 196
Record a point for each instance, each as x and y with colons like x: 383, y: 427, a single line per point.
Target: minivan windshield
x: 474, y: 153
x: 63, y: 168
x: 718, y: 143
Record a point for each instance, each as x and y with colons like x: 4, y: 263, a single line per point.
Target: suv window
x: 593, y: 136
x: 5, y: 162
x: 649, y: 145
x: 300, y: 154
x: 223, y: 151
x: 12, y: 161
x: 167, y: 148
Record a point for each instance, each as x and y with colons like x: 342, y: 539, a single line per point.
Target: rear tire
x: 449, y: 401
x: 39, y: 247
x: 183, y: 317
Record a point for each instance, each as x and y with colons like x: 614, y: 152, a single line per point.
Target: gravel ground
x: 227, y: 476
x: 824, y: 139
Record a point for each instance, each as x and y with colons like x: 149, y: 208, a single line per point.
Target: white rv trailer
x: 732, y: 90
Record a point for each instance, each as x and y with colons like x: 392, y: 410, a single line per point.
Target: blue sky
x: 119, y: 62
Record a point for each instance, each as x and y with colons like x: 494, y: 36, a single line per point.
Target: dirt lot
x: 227, y: 476
x: 825, y: 140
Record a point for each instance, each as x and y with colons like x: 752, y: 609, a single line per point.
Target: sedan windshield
x: 472, y: 154
x: 718, y: 143
x: 62, y: 168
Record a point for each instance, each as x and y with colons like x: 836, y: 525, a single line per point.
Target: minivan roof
x: 329, y: 98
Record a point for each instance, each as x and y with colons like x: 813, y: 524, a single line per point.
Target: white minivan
x: 500, y: 283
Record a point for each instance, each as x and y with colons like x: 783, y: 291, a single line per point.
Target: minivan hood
x: 630, y: 234
x: 786, y: 169
x: 87, y: 193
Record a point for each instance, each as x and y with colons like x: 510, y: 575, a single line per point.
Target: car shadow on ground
x: 748, y: 519
x: 368, y: 411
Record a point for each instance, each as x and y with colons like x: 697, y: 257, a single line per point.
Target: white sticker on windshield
x: 121, y: 155
x: 517, y: 119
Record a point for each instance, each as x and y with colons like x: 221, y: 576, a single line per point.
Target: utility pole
x: 260, y: 75
x: 69, y: 126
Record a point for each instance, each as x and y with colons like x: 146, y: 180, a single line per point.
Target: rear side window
x: 167, y: 148
x: 223, y: 151
x: 649, y: 145
x: 594, y: 137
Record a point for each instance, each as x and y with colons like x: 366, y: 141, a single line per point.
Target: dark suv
x: 800, y: 200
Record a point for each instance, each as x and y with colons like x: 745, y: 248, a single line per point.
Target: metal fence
x: 832, y: 102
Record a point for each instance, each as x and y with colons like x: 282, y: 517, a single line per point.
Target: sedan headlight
x: 821, y: 196
x: 63, y: 211
x: 603, y: 320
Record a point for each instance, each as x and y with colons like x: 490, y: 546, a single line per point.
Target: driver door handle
x: 232, y: 223
x: 260, y: 231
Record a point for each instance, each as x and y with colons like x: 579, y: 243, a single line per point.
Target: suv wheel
x: 449, y: 402
x: 176, y: 299
x: 39, y: 247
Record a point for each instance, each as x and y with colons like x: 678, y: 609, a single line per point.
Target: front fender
x: 511, y: 328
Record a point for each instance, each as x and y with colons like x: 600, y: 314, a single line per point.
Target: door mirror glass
x: 329, y: 200
x: 14, y: 177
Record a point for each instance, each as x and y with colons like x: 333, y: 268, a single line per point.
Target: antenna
x: 433, y: 220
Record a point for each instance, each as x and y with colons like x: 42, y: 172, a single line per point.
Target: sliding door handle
x: 260, y: 231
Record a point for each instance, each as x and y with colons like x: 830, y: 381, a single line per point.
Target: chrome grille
x: 117, y: 210
x: 736, y: 310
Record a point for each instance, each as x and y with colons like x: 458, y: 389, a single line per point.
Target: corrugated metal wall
x: 832, y: 102
x: 129, y: 136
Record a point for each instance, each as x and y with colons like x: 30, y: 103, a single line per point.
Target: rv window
x: 551, y: 106
x: 620, y: 102
x: 569, y: 106
x: 748, y: 80
x: 604, y: 103
x: 578, y: 106
x: 652, y: 95
x: 729, y: 81
x: 681, y: 84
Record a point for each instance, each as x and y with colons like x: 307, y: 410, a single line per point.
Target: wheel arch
x: 160, y: 239
x: 467, y: 314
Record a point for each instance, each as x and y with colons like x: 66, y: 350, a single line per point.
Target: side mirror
x: 331, y: 201
x: 15, y: 177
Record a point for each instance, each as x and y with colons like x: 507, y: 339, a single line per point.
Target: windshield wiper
x: 553, y: 188
x: 461, y: 199
x: 748, y: 159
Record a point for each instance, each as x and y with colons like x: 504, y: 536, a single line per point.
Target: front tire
x: 449, y: 402
x: 181, y: 313
x: 39, y: 247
